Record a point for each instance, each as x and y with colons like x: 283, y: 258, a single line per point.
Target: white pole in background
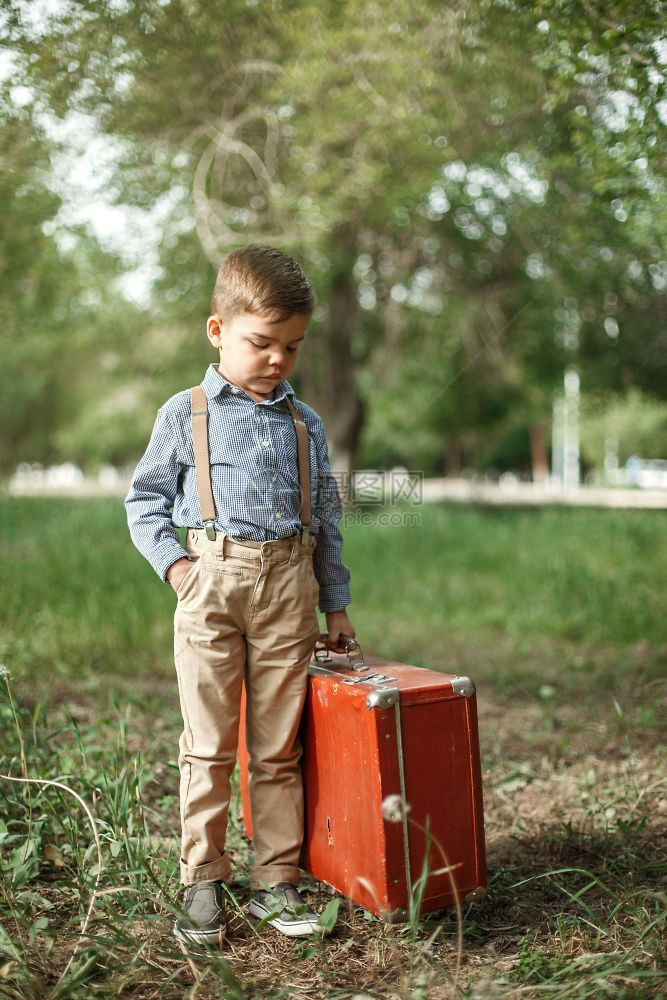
x: 571, y: 436
x: 565, y: 434
x: 557, y: 440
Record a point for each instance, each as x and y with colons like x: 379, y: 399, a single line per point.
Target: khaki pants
x: 245, y: 611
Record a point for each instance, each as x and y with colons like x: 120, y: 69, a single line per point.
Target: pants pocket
x: 221, y: 567
x: 186, y: 582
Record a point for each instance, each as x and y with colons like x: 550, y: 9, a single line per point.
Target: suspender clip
x: 210, y: 530
x: 305, y: 532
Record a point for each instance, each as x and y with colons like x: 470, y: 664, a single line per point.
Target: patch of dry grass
x: 576, y: 819
x: 556, y: 614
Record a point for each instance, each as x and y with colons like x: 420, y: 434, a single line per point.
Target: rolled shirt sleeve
x: 150, y: 500
x: 332, y: 574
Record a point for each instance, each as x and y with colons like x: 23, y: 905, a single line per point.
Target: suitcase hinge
x: 463, y: 686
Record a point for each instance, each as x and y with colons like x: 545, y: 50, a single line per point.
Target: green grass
x: 496, y: 585
x: 557, y: 615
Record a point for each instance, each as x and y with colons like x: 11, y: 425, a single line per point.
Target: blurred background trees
x: 476, y: 190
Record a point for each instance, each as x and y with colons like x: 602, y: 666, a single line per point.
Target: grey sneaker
x: 204, y: 918
x: 287, y: 910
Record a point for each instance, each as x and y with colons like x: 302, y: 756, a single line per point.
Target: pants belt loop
x: 220, y: 547
x: 294, y: 552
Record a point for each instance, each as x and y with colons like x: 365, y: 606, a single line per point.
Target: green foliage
x: 329, y: 915
x: 477, y: 193
x: 34, y: 291
x: 636, y: 422
x: 61, y: 318
x: 536, y: 965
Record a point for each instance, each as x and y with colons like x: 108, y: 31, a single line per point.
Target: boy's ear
x: 214, y: 330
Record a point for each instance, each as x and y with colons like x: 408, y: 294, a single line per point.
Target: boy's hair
x: 264, y: 281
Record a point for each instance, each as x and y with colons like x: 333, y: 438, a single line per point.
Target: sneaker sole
x: 199, y: 937
x: 292, y: 928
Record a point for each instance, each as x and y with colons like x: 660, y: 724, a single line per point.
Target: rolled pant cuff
x: 211, y: 872
x: 273, y: 874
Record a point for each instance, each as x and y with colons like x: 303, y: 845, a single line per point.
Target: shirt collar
x: 214, y: 384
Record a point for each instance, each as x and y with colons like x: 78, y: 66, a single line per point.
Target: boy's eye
x: 261, y: 347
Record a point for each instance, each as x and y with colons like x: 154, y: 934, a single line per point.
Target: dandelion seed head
x: 4, y: 670
x: 394, y: 809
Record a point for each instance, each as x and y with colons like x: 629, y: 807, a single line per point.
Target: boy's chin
x: 265, y: 384
x: 264, y: 387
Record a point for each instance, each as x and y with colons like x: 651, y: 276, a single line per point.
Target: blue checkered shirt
x: 254, y: 477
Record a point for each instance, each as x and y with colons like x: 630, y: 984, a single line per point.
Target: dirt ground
x: 566, y: 788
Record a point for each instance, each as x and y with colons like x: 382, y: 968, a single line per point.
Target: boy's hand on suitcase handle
x: 339, y: 628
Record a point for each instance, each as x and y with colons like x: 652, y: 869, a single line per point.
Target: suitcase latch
x: 370, y: 679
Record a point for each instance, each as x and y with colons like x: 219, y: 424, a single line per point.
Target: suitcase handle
x: 350, y: 645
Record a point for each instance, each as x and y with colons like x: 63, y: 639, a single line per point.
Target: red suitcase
x: 389, y: 752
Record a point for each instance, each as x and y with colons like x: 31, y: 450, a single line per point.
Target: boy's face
x: 256, y: 354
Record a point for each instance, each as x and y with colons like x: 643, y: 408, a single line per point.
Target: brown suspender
x: 199, y: 412
x: 303, y: 463
x: 199, y: 417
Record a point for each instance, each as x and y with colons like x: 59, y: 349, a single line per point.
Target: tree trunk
x: 327, y: 369
x: 538, y: 453
x: 453, y: 459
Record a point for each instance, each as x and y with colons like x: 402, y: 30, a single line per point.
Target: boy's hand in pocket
x: 178, y: 571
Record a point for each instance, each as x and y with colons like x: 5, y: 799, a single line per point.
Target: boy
x: 246, y: 468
